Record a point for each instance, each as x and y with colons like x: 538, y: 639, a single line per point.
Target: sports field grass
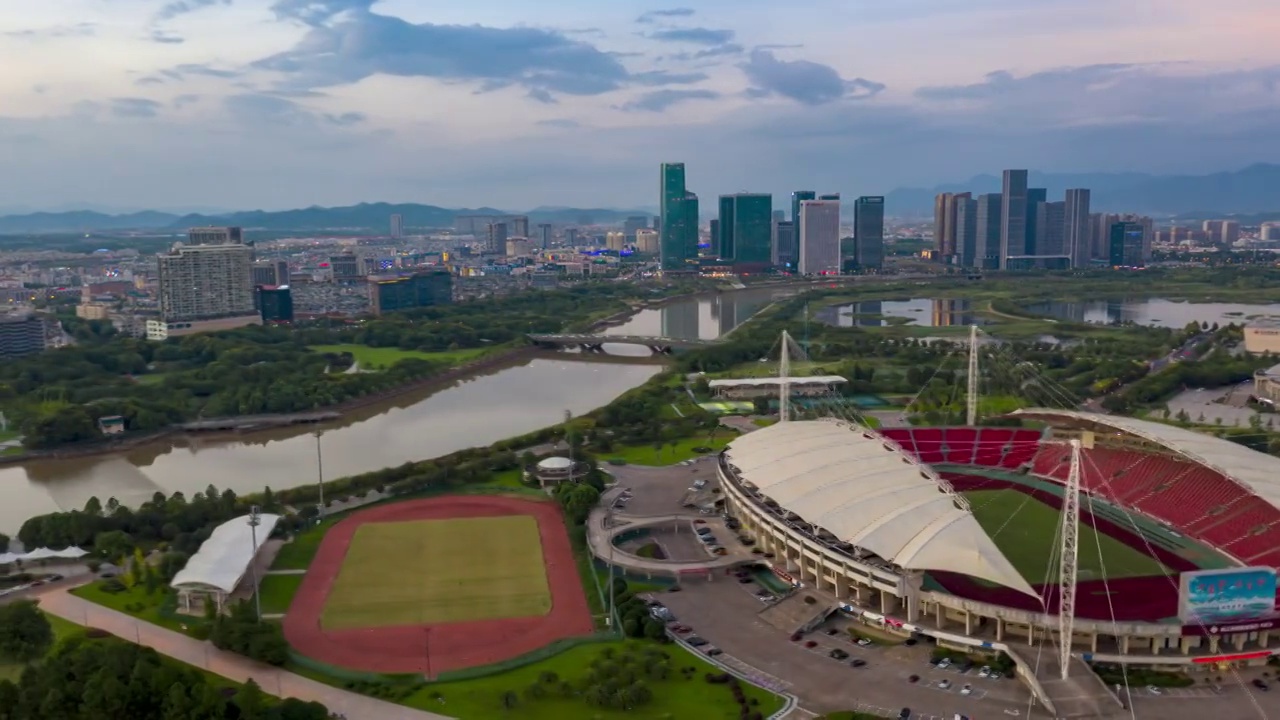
x: 1025, y: 530
x: 437, y: 571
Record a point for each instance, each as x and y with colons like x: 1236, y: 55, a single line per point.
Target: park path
x: 205, y: 656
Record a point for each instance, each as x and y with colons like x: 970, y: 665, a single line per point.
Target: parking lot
x: 662, y: 490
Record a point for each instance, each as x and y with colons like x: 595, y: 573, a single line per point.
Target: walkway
x: 235, y: 667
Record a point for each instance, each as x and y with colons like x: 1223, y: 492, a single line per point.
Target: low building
x: 1262, y: 336
x: 275, y: 303
x: 216, y: 570
x: 764, y: 387
x: 93, y: 311
x: 1266, y: 386
x: 158, y: 330
x: 554, y: 470
x: 389, y: 293
x: 22, y: 333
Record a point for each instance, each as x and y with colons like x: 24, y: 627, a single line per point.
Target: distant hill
x: 1251, y: 190
x: 371, y: 217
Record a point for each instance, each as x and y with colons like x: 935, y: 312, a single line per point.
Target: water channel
x: 476, y: 411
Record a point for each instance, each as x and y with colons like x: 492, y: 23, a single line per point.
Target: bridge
x: 595, y: 343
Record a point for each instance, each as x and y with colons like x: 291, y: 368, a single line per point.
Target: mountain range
x: 1249, y: 194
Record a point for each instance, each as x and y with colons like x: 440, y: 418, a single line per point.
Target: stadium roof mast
x: 784, y: 376
x: 971, y: 393
x: 1069, y: 560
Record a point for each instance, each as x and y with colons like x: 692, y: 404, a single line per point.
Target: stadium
x: 957, y: 532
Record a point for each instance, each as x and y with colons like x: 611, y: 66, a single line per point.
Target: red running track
x: 432, y: 649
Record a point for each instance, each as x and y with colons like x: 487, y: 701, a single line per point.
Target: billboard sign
x: 1219, y: 597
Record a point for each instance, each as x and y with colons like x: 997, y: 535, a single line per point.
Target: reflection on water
x: 1153, y: 311
x: 920, y: 312
x: 702, y: 318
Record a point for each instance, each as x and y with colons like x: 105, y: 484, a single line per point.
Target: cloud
x: 656, y: 15
x: 317, y: 12
x: 160, y: 36
x: 129, y: 107
x: 179, y: 73
x: 185, y: 100
x: 81, y: 29
x: 560, y: 123
x: 805, y: 82
x: 347, y: 119
x: 729, y: 49
x: 173, y: 9
x: 271, y: 110
x: 692, y: 36
x: 660, y: 100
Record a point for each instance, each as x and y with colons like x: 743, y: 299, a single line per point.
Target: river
x: 504, y: 402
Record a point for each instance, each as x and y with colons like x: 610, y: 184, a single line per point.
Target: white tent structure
x: 222, y: 561
x: 71, y: 553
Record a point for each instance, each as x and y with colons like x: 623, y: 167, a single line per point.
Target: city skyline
x: 178, y: 103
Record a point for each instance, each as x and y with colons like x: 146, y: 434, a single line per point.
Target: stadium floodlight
x: 255, y: 519
x: 1069, y: 556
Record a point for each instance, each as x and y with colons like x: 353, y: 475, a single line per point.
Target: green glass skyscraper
x: 798, y: 197
x: 746, y: 228
x: 679, y: 218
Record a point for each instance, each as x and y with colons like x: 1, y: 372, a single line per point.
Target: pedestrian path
x: 205, y: 656
x: 294, y: 571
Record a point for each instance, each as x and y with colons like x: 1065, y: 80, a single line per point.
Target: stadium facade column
x: 939, y: 617
x: 887, y: 603
x: 968, y: 624
x: 999, y: 630
x: 1155, y: 645
x: 1124, y: 644
x: 842, y: 587
x: 1213, y: 645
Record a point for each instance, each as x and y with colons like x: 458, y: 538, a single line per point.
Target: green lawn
x: 61, y: 629
x: 277, y: 592
x: 675, y: 697
x: 298, y: 553
x: 668, y: 454
x: 135, y: 596
x: 8, y: 435
x: 434, y: 571
x: 380, y: 358
x: 1028, y: 538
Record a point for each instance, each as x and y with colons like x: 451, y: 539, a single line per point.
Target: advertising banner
x: 1222, y: 597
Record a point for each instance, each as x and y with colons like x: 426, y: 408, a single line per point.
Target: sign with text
x: 1220, y: 597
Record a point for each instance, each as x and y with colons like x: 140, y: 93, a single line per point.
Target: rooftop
x: 224, y: 558
x: 773, y: 381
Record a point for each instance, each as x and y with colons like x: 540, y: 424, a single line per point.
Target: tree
x: 251, y: 701
x: 4, y: 543
x: 25, y: 633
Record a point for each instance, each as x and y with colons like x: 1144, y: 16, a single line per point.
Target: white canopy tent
x: 71, y: 553
x: 222, y: 560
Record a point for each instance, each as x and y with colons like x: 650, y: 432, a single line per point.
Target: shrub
x: 112, y: 586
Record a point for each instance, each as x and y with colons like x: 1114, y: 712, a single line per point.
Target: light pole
x: 319, y: 475
x: 254, y: 522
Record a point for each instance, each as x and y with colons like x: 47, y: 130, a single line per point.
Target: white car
x: 967, y: 689
x: 984, y: 671
x: 944, y: 663
x: 864, y: 642
x: 945, y: 684
x: 1154, y: 690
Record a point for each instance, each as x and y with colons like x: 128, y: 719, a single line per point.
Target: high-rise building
x: 785, y: 250
x: 270, y: 272
x: 1213, y: 229
x: 571, y: 237
x: 1035, y: 196
x: 497, y: 242
x: 679, y: 218
x: 1100, y: 239
x: 779, y: 215
x: 1050, y: 228
x: 633, y: 224
x: 714, y: 237
x: 1013, y: 216
x: 830, y: 196
x: 1126, y: 244
x: 199, y: 282
x: 22, y: 333
x: 389, y: 293
x: 940, y: 217
x: 519, y: 225
x: 1230, y: 232
x: 346, y: 267
x: 215, y: 236
x: 948, y: 245
x: 966, y: 231
x: 868, y: 232
x: 397, y: 226
x: 1075, y: 230
x: 798, y: 197
x: 544, y: 236
x: 819, y: 237
x: 745, y: 228
x: 615, y: 241
x: 647, y: 241
x: 275, y: 303
x: 987, y: 231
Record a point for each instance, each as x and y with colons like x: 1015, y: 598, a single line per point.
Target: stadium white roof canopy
x: 774, y: 382
x: 223, y: 559
x: 1257, y: 472
x: 863, y: 489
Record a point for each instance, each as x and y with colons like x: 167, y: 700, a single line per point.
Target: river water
x: 477, y: 411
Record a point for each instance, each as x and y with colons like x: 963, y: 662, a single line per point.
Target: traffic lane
x: 726, y: 614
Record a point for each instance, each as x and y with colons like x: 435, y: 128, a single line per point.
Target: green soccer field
x: 1025, y: 530
x: 438, y: 571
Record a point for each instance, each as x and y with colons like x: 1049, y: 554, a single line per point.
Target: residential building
x: 868, y: 232
x: 987, y: 231
x: 679, y: 209
x: 22, y: 333
x: 1050, y: 229
x: 215, y: 236
x: 497, y: 241
x: 1035, y: 196
x: 786, y: 253
x: 1075, y: 229
x: 93, y: 311
x: 1213, y: 229
x: 346, y: 267
x: 519, y: 225
x: 1013, y: 217
x: 571, y: 237
x: 1270, y: 232
x: 159, y: 330
x: 647, y: 242
x: 819, y: 237
x: 966, y: 231
x: 1230, y: 232
x: 940, y: 217
x: 544, y: 235
x: 634, y: 224
x: 1100, y: 241
x: 615, y: 241
x: 746, y: 229
x: 521, y: 247
x: 397, y: 226
x: 270, y: 272
x: 275, y: 303
x: 198, y: 282
x: 798, y: 197
x: 390, y: 293
x: 1127, y: 244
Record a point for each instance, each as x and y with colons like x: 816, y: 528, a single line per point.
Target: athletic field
x: 1025, y: 529
x: 425, y: 572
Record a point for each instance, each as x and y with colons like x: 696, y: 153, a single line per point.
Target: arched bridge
x: 595, y: 343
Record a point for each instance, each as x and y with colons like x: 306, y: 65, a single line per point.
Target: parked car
x: 967, y: 689
x: 795, y: 637
x: 1258, y: 683
x: 863, y: 642
x: 984, y: 671
x: 832, y: 631
x: 944, y: 684
x: 913, y: 678
x: 714, y: 651
x: 905, y: 714
x: 744, y: 580
x: 696, y: 641
x: 811, y: 644
x: 839, y: 654
x: 858, y: 662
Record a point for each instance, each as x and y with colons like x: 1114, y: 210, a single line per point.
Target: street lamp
x: 319, y: 475
x: 255, y: 520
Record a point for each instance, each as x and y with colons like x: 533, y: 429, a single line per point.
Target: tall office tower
x: 819, y: 237
x: 966, y: 227
x: 779, y: 215
x: 868, y: 232
x: 679, y: 217
x: 714, y: 235
x: 1035, y: 196
x: 633, y: 224
x: 785, y: 251
x: 745, y: 228
x: 949, y: 210
x: 519, y: 225
x: 497, y: 242
x: 1148, y: 232
x: 275, y: 303
x: 1230, y: 232
x: 544, y: 235
x: 1050, y: 229
x: 1075, y: 229
x: 1013, y: 216
x: 940, y: 217
x: 1100, y: 245
x: 397, y: 226
x: 829, y: 196
x: 986, y: 251
x: 215, y: 236
x: 657, y: 223
x: 266, y: 272
x: 346, y: 266
x: 1126, y: 240
x: 571, y: 237
x: 199, y: 282
x: 798, y: 197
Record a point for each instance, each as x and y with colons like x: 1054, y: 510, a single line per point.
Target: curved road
x: 600, y: 539
x: 205, y: 656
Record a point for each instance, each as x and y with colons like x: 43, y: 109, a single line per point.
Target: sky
x: 289, y: 103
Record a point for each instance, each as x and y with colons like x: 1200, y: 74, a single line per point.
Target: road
x: 203, y: 655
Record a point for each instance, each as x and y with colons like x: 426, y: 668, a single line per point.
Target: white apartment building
x: 819, y: 237
x: 206, y: 281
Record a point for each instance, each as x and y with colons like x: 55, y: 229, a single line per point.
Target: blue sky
x: 286, y: 103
